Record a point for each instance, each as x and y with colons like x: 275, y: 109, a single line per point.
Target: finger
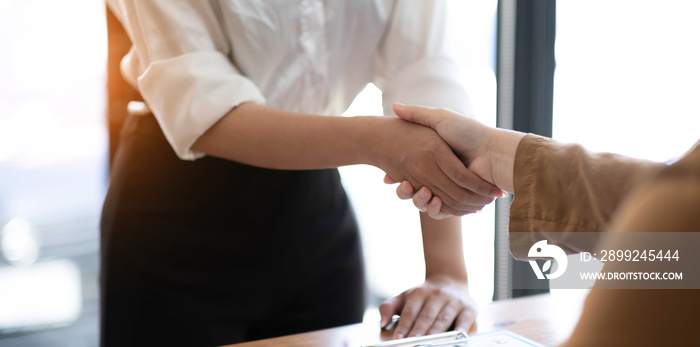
x: 459, y: 199
x: 445, y: 318
x: 409, y: 313
x: 437, y: 210
x: 482, y: 191
x: 454, y: 196
x: 445, y: 212
x: 422, y: 198
x: 473, y: 328
x: 443, y: 186
x: 389, y: 308
x: 427, y: 316
x: 418, y: 114
x: 434, y: 209
x: 405, y: 190
x: 465, y: 321
x: 389, y: 180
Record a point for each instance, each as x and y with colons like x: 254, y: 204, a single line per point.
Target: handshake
x: 478, y: 169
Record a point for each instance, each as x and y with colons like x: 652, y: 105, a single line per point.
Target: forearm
x: 442, y: 247
x: 566, y: 185
x: 562, y: 189
x: 260, y: 136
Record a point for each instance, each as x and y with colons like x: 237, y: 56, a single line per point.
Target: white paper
x: 500, y: 338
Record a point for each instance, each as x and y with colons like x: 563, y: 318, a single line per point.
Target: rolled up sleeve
x: 563, y: 189
x: 180, y: 58
x: 190, y: 93
x: 412, y: 66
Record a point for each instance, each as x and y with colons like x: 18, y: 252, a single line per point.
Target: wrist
x: 370, y: 139
x: 448, y: 278
x: 360, y: 130
x: 503, y: 144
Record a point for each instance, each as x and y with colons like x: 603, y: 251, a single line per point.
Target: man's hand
x: 431, y: 308
x: 488, y: 152
x: 417, y: 154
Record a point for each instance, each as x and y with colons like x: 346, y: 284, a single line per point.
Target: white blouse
x: 195, y: 60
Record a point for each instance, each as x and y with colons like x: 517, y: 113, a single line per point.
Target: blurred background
x: 626, y: 81
x: 53, y: 170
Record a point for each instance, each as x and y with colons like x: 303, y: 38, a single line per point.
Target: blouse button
x: 315, y: 77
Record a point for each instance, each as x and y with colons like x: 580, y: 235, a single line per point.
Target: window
x: 627, y: 76
x: 53, y: 169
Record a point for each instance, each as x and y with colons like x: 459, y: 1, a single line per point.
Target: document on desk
x: 500, y: 338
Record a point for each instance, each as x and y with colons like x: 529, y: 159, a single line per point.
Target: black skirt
x: 213, y: 252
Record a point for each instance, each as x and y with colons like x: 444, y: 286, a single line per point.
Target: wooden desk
x: 546, y: 318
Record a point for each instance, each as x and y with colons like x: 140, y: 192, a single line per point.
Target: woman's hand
x: 416, y: 154
x: 431, y: 308
x: 488, y: 152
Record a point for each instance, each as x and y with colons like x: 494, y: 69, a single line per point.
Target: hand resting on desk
x: 431, y: 308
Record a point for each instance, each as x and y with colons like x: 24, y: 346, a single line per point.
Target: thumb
x: 389, y: 308
x: 418, y: 114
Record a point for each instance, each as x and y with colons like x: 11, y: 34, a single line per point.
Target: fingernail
x: 498, y: 193
x: 398, y: 105
x: 398, y: 336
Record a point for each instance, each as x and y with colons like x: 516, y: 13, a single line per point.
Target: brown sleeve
x: 564, y: 188
x: 670, y: 203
